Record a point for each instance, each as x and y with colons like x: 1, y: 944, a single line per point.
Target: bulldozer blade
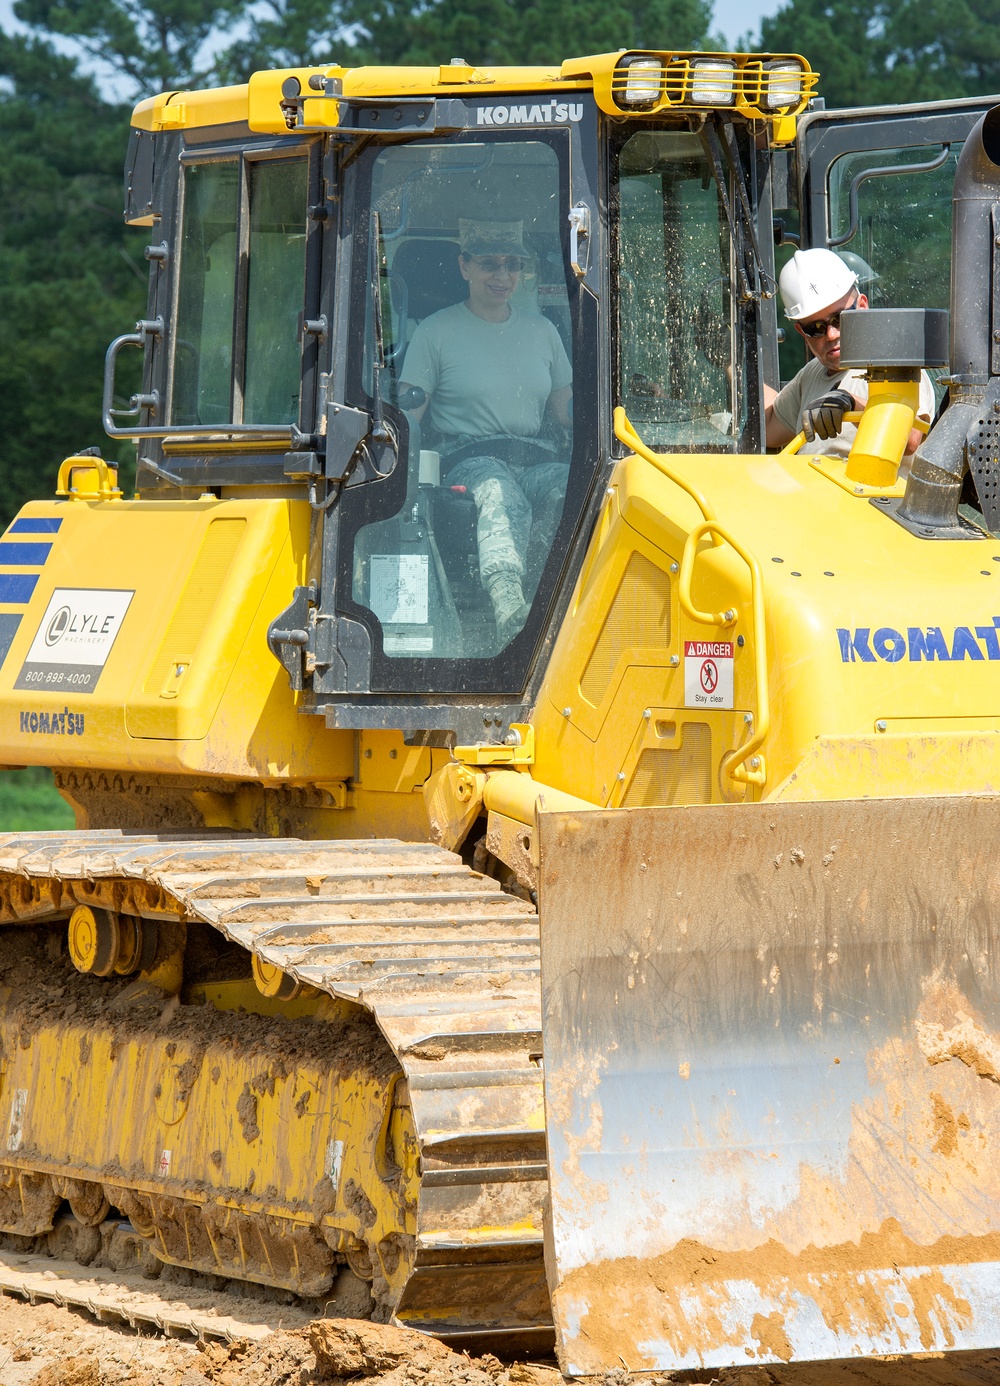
x: 772, y: 1081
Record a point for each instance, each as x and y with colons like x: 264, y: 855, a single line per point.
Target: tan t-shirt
x: 814, y: 380
x: 486, y: 378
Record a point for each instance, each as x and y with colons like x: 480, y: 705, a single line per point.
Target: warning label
x: 708, y: 673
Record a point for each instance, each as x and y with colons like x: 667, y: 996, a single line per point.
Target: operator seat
x: 425, y: 277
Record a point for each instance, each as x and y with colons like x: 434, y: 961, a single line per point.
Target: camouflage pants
x: 518, y: 508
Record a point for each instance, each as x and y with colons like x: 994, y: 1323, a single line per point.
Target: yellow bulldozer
x: 618, y: 964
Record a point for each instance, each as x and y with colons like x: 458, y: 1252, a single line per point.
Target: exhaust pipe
x: 967, y: 436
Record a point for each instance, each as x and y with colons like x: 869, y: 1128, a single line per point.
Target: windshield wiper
x: 753, y: 278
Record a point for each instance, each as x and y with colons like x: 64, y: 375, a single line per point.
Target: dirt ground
x: 45, y: 1345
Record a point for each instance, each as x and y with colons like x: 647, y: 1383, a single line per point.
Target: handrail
x: 145, y: 330
x: 625, y: 432
x: 859, y: 178
x: 107, y: 487
x: 736, y: 766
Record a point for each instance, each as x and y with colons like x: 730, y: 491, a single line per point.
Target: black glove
x: 824, y: 417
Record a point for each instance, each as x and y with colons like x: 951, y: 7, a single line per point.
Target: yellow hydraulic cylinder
x: 885, y: 426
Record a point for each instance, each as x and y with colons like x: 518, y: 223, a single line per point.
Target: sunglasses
x: 492, y: 264
x: 821, y: 326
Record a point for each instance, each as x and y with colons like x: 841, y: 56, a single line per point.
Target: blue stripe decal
x: 24, y: 555
x: 17, y: 587
x: 45, y: 525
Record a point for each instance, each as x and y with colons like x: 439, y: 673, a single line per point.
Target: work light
x: 782, y: 85
x: 643, y: 81
x: 713, y: 82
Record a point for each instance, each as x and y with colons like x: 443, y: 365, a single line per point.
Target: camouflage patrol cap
x: 492, y: 237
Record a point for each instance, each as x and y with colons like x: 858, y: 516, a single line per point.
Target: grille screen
x: 639, y: 618
x: 197, y: 600
x: 682, y: 776
x: 984, y: 463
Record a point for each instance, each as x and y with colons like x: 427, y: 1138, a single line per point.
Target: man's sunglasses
x: 492, y: 264
x: 821, y: 326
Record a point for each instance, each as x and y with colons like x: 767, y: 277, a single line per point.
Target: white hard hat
x: 812, y: 280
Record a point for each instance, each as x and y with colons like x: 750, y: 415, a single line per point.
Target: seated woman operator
x: 493, y: 375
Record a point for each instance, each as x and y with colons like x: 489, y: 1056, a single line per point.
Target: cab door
x: 874, y: 184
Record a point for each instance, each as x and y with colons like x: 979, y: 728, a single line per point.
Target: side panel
x: 772, y: 1073
x: 142, y: 640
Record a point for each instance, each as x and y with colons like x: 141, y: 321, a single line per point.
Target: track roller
x: 102, y: 942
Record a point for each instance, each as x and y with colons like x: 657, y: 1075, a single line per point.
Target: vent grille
x: 197, y: 602
x: 984, y: 463
x: 681, y: 776
x: 639, y: 618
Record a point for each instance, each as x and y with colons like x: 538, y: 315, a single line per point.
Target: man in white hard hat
x: 816, y: 287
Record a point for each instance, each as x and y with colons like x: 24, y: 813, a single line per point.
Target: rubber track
x: 448, y: 964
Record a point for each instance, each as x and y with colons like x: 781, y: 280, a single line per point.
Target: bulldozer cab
x: 309, y: 328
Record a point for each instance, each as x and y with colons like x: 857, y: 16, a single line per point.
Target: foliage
x: 523, y: 31
x: 888, y: 51
x: 157, y: 44
x: 71, y: 276
x: 30, y: 802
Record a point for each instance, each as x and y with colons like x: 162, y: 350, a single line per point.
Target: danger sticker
x: 708, y: 673
x: 74, y: 639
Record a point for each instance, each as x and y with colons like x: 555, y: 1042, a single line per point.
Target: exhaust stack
x: 967, y: 436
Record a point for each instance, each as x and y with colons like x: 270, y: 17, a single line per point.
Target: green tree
x: 71, y: 275
x: 937, y: 51
x: 526, y: 31
x: 288, y: 33
x: 888, y: 51
x: 430, y: 33
x: 156, y: 44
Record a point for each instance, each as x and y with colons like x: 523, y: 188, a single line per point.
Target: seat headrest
x: 430, y: 271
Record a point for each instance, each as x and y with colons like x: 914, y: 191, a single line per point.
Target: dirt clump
x: 347, y: 1349
x: 281, y: 1359
x: 82, y: 1370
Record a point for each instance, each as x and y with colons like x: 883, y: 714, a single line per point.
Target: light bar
x: 759, y: 86
x: 713, y: 82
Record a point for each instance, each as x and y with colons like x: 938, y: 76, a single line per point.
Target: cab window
x: 675, y: 315
x: 901, y: 250
x: 237, y: 353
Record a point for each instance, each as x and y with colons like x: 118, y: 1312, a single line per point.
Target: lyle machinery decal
x: 74, y: 639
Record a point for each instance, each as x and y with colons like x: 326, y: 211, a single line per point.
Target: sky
x: 732, y: 18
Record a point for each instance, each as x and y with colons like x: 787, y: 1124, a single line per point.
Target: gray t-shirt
x: 486, y: 378
x: 814, y: 380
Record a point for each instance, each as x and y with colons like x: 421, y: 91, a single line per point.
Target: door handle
x: 579, y: 232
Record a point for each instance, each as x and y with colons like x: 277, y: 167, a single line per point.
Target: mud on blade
x: 772, y: 1073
